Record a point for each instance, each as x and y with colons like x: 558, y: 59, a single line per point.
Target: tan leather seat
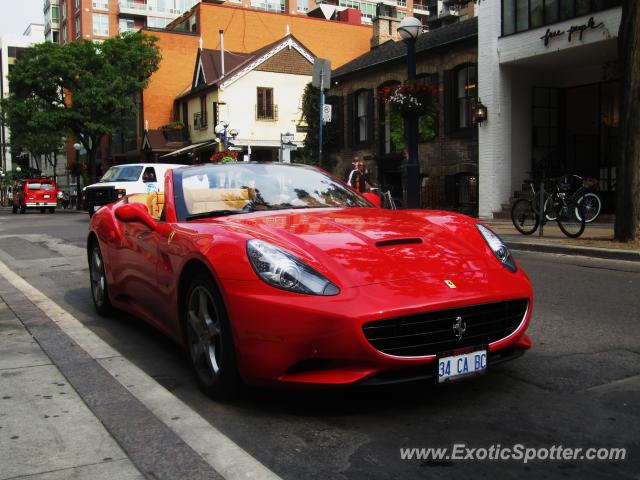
x: 207, y: 200
x: 138, y: 198
x: 155, y: 204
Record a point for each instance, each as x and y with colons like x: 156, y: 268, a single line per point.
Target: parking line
x: 220, y: 452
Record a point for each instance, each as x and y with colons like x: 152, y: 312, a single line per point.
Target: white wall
x: 508, y: 69
x: 241, y: 99
x: 494, y: 89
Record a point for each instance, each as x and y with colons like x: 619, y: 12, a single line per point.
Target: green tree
x: 330, y: 135
x: 83, y: 89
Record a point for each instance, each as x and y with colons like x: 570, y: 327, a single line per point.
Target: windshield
x: 215, y: 190
x: 39, y: 186
x: 124, y: 173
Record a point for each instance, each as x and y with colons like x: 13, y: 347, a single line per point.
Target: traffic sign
x: 321, y: 73
x: 326, y: 113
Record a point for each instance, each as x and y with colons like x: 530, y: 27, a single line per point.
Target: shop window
x: 522, y: 15
x: 460, y: 94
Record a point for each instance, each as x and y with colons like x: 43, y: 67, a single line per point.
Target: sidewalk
x: 46, y: 430
x: 596, y: 241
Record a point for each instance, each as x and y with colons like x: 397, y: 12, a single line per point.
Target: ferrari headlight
x: 498, y: 248
x: 282, y: 270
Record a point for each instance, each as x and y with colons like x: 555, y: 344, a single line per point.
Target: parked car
x: 278, y: 274
x: 123, y: 180
x: 35, y: 193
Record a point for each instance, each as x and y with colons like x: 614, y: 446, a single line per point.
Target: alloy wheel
x: 204, y: 334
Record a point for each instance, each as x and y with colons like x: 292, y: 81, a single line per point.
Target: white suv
x: 122, y: 180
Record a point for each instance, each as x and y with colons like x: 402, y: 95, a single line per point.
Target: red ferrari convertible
x: 276, y: 274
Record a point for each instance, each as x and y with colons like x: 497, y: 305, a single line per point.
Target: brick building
x: 448, y: 151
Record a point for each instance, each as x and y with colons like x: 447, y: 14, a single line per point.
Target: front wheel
x: 99, y: 287
x: 209, y: 339
x: 524, y: 217
x: 571, y: 219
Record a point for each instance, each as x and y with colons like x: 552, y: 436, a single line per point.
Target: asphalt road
x: 578, y: 387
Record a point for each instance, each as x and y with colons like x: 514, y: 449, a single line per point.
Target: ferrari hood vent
x: 398, y: 241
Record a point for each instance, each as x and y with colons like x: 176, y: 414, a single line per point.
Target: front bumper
x: 284, y: 338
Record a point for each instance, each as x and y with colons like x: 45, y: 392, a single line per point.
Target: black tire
x: 210, y: 340
x: 98, y: 279
x: 524, y: 217
x: 592, y: 206
x: 52, y: 210
x: 571, y: 219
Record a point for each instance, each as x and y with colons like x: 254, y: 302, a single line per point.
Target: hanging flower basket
x: 411, y: 99
x: 224, y: 157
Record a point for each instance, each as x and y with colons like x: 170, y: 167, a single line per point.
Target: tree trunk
x: 627, y: 227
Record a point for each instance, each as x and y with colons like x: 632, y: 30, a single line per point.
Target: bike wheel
x: 524, y: 217
x: 549, y: 214
x: 592, y: 206
x: 571, y: 219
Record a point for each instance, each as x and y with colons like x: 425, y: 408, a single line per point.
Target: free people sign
x: 571, y: 31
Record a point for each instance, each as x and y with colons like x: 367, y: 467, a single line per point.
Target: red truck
x: 35, y: 193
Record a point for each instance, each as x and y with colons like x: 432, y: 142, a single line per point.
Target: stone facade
x: 446, y: 161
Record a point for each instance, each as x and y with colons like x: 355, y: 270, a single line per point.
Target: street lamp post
x: 224, y: 132
x: 77, y: 147
x: 409, y: 30
x: 2, y: 188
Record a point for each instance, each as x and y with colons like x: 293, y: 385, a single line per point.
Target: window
x: 65, y: 36
x: 203, y: 111
x: 101, y: 4
x: 78, y: 4
x: 101, y: 24
x: 77, y: 27
x: 268, y: 5
x: 265, y: 109
x: 360, y: 106
x: 54, y: 13
x: 15, y: 52
x: 64, y: 9
x: 149, y: 175
x: 56, y: 36
x: 303, y: 5
x: 157, y: 22
x: 391, y: 124
x: 521, y: 15
x: 126, y: 25
x: 466, y: 94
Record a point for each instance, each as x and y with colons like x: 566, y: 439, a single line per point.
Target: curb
x: 606, y: 253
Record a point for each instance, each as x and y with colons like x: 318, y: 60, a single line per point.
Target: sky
x: 18, y: 14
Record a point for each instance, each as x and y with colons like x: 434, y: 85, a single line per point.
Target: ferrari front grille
x: 431, y: 333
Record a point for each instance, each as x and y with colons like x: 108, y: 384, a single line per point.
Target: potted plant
x: 226, y: 156
x: 173, y: 131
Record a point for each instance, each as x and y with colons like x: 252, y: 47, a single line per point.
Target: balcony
x: 143, y: 9
x: 421, y: 8
x: 200, y: 121
x: 267, y: 113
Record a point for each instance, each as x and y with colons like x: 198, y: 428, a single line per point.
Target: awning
x: 190, y: 148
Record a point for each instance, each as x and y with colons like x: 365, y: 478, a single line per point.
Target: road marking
x: 225, y: 456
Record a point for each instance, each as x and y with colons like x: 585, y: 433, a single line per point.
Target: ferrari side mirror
x: 134, y: 212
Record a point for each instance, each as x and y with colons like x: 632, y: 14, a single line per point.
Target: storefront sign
x: 572, y: 30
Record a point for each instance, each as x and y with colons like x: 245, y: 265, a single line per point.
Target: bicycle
x: 569, y: 215
x: 386, y: 198
x: 584, y: 195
